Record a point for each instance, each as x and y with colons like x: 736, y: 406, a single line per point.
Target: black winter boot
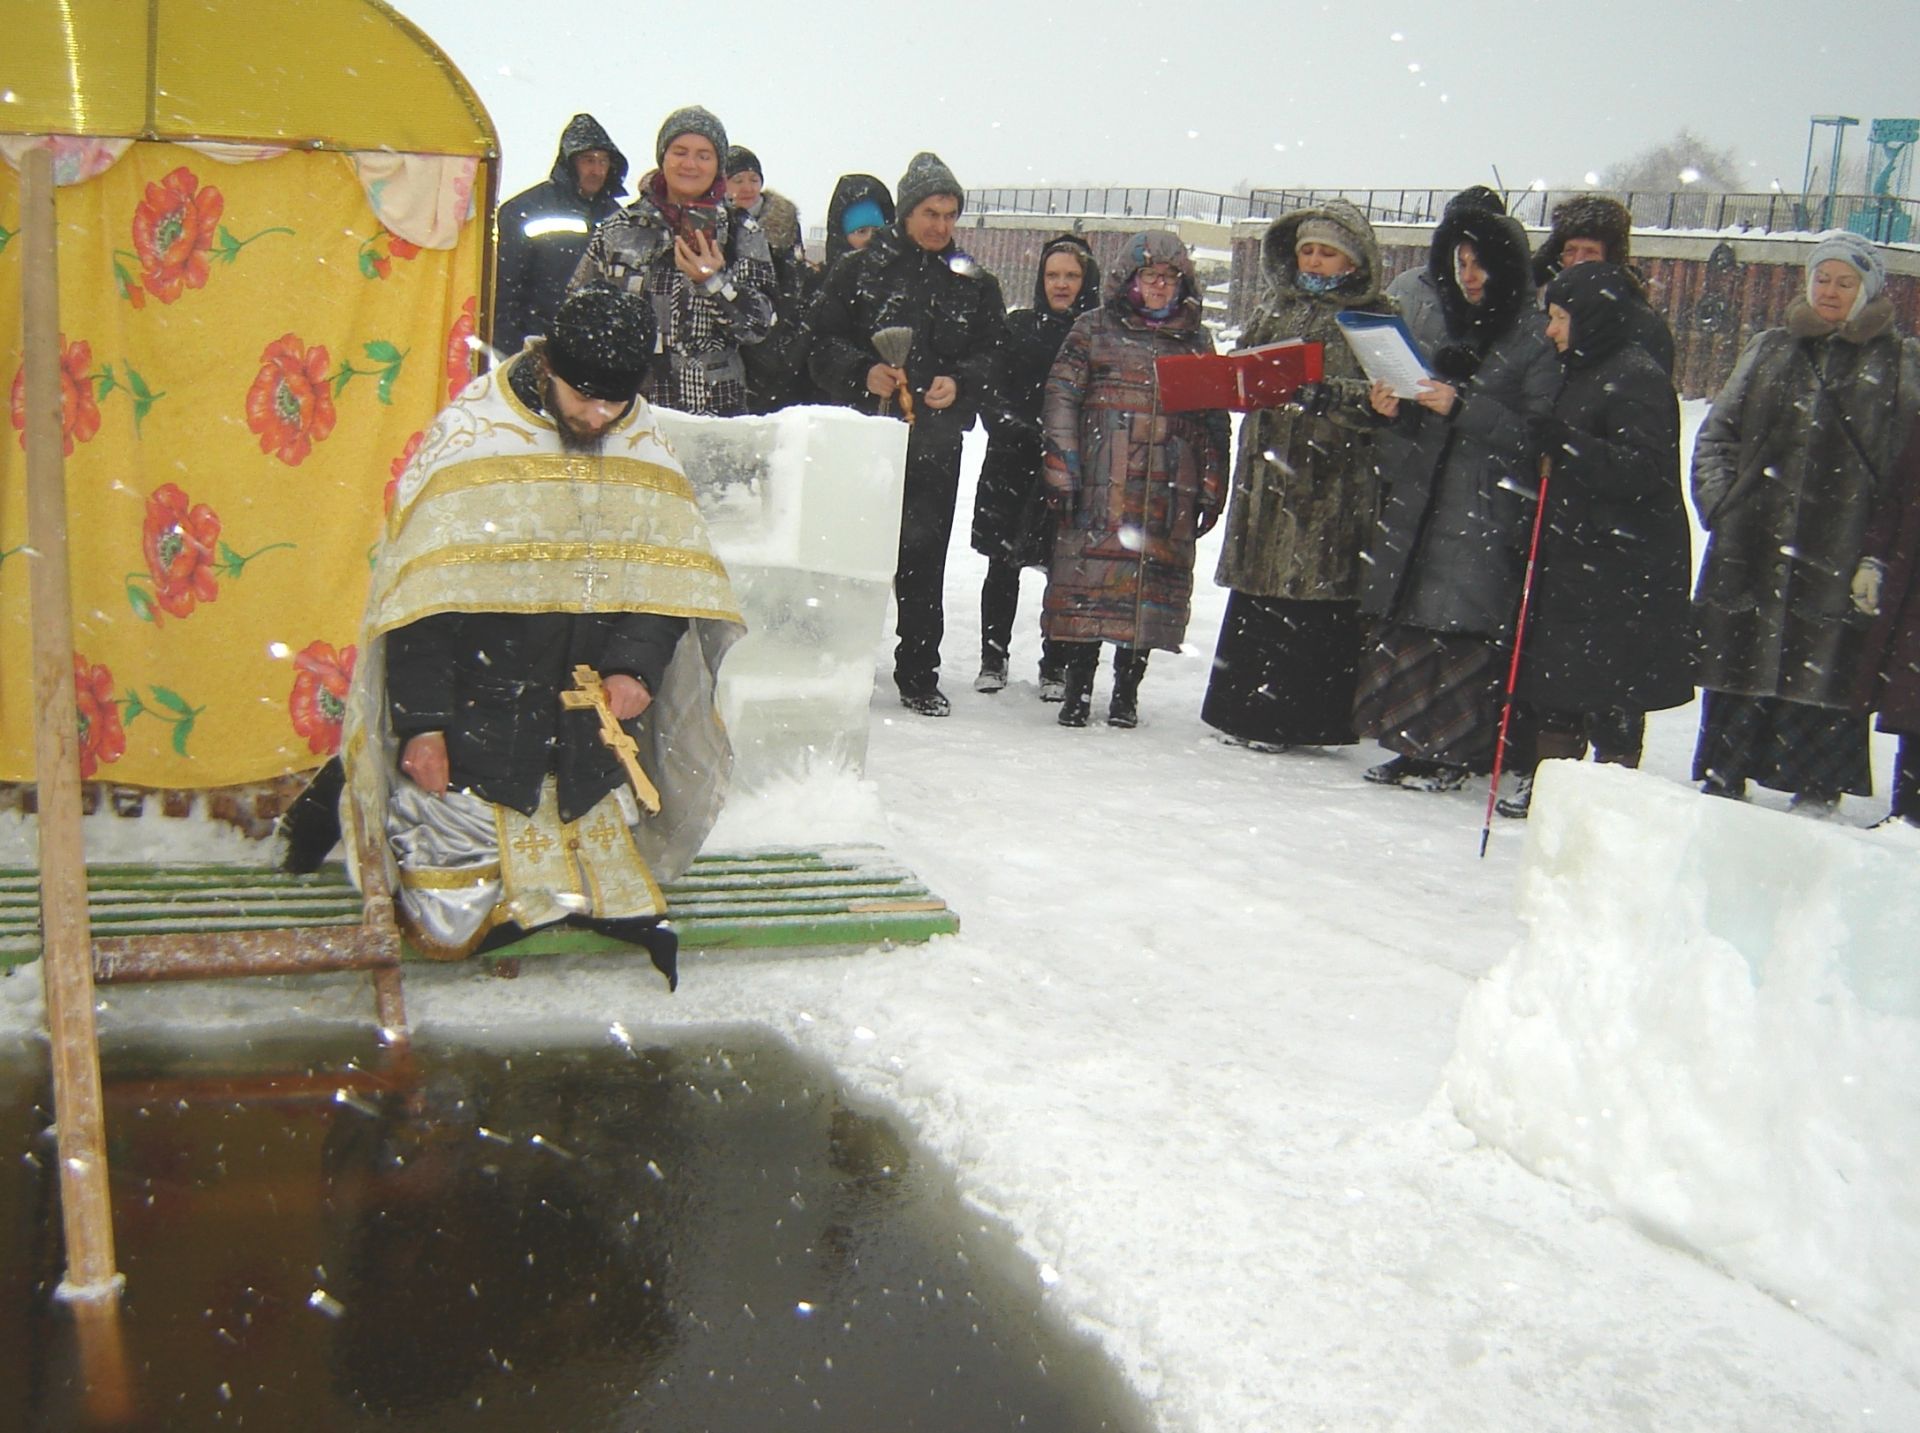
x: 311, y: 825
x: 1129, y: 666
x: 1082, y: 662
x: 653, y: 935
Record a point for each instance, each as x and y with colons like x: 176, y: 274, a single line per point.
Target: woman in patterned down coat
x: 1136, y: 487
x: 1302, y: 503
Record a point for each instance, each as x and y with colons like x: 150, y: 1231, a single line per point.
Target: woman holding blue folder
x: 1302, y: 501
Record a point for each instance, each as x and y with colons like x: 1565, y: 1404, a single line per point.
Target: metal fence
x: 1885, y: 220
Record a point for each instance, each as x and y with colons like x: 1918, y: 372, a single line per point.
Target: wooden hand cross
x: 588, y: 693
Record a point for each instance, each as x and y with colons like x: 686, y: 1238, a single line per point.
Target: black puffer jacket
x: 1451, y: 541
x: 952, y: 305
x: 544, y: 231
x: 1609, y: 623
x: 1011, y: 520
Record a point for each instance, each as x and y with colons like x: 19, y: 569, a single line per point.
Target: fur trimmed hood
x: 1281, y: 265
x: 1472, y: 329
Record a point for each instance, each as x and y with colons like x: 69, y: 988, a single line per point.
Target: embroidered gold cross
x: 532, y: 843
x: 604, y: 833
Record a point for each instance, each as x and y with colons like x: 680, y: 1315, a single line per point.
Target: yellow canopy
x: 330, y: 74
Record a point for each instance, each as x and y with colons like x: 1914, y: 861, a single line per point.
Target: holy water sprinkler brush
x: 893, y: 345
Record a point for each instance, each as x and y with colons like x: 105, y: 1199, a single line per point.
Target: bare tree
x: 1687, y: 161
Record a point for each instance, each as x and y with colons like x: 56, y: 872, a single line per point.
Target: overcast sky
x: 1029, y: 92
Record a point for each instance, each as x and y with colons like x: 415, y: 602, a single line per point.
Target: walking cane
x: 1513, y: 667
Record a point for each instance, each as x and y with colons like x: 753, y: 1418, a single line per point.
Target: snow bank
x: 1714, y: 1023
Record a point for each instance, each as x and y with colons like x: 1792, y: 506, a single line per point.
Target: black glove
x: 1553, y: 436
x: 1312, y: 398
x: 1456, y: 363
x: 1204, y: 521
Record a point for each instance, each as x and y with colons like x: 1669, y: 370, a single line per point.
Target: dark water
x: 563, y: 1239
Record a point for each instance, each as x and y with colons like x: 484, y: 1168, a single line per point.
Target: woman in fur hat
x: 1786, y: 471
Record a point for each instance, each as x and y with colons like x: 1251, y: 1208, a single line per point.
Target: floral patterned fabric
x: 247, y: 360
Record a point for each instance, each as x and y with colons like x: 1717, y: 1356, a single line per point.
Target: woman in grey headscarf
x: 1786, y: 470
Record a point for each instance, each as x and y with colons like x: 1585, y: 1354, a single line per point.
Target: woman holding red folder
x: 1135, y: 486
x: 1302, y: 502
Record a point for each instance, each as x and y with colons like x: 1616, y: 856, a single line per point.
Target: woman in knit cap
x: 1786, y: 471
x: 708, y: 276
x: 1012, y: 524
x: 1136, y: 487
x: 1302, y: 503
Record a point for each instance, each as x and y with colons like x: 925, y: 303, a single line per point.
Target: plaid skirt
x: 1788, y: 746
x: 1432, y: 695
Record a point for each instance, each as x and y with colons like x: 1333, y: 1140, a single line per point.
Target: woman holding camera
x: 703, y: 266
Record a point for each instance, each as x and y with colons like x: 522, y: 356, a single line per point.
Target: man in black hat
x: 543, y: 527
x: 912, y: 275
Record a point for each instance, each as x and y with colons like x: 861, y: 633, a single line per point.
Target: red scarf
x: 655, y: 185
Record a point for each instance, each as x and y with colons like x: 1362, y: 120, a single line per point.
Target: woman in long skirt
x: 1302, y: 502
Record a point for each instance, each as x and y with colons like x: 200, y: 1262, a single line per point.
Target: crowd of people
x: 1377, y: 544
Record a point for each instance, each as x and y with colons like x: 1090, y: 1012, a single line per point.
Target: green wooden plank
x: 732, y: 900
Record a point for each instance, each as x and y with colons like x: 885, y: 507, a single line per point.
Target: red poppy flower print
x: 179, y: 539
x: 399, y: 468
x: 319, y: 700
x: 79, y: 412
x: 460, y: 351
x: 290, y: 404
x: 102, y: 738
x: 401, y: 248
x: 173, y: 231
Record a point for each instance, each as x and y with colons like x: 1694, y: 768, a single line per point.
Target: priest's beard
x: 574, y: 438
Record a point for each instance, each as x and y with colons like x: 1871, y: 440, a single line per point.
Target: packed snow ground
x: 1189, y: 1047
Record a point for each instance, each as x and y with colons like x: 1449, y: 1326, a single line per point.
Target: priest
x: 543, y: 527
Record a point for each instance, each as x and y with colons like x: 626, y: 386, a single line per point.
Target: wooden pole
x: 66, y: 963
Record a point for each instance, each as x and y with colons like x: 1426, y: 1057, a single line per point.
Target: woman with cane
x: 1606, y: 636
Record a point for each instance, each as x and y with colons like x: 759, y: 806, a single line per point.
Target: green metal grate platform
x: 845, y: 896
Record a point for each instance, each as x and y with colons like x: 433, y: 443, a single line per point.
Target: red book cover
x: 1248, y: 378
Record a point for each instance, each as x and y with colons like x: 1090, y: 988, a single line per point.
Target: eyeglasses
x: 1158, y: 276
